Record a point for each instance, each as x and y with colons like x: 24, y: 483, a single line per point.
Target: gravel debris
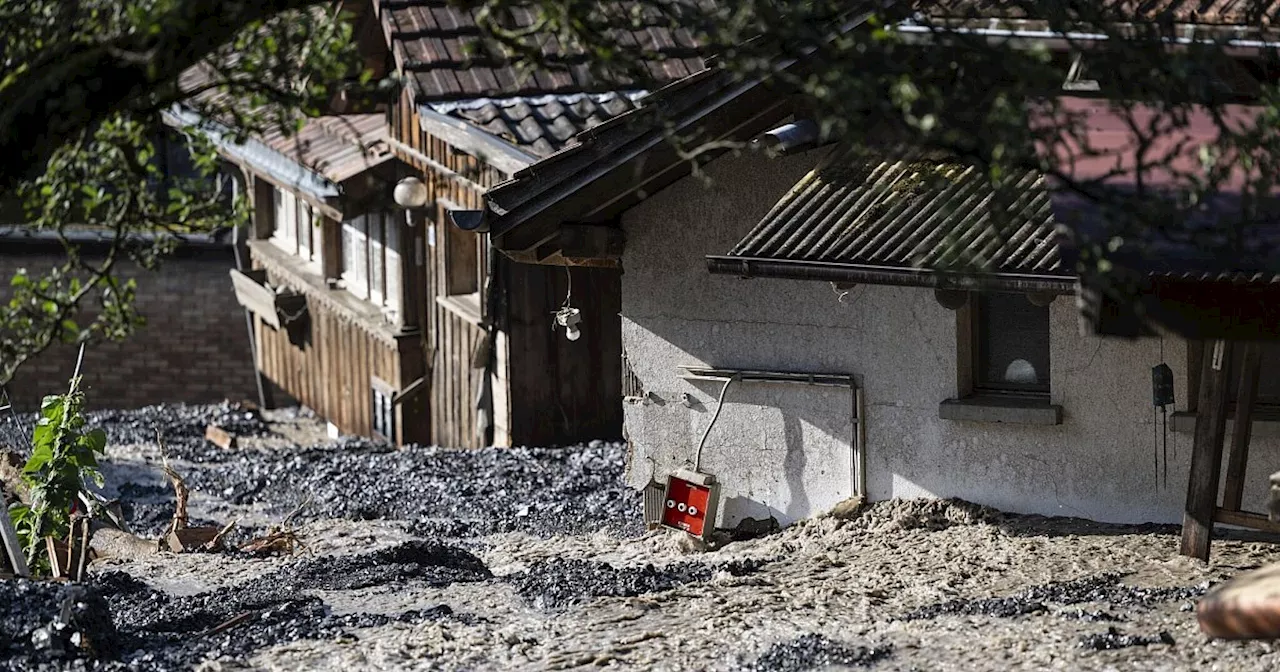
x: 1104, y: 588
x: 1114, y: 639
x: 553, y: 584
x: 43, y: 623
x: 814, y: 652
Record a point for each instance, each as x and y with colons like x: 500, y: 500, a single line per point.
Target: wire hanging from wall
x: 568, y: 316
x: 1162, y: 398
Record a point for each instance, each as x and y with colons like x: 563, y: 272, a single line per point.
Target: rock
x: 11, y: 465
x: 109, y: 542
x: 753, y: 528
x: 1246, y: 607
x: 849, y: 508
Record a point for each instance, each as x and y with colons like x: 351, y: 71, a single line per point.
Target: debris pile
x: 42, y: 622
x: 1114, y: 639
x: 541, y: 491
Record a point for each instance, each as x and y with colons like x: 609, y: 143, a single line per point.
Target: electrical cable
x: 697, y: 460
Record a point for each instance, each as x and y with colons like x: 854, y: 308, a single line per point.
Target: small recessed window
x: 1011, y: 335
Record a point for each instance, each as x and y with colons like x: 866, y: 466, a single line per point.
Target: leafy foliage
x: 129, y: 178
x: 64, y: 453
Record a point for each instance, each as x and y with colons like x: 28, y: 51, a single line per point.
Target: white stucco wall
x: 784, y: 450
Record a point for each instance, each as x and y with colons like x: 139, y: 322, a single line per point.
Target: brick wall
x: 193, y: 349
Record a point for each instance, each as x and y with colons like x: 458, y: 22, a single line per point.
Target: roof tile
x: 431, y: 35
x: 540, y: 125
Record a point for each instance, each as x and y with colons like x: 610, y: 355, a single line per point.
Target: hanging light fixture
x: 568, y: 316
x: 410, y: 193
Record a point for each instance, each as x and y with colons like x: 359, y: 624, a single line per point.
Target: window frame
x: 378, y: 248
x: 979, y: 352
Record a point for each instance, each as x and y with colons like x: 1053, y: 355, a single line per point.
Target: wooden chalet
x: 499, y: 373
x: 389, y: 321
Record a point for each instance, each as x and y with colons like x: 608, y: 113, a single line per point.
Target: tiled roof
x: 440, y: 47
x: 334, y: 148
x: 859, y: 209
x: 337, y: 147
x: 540, y: 125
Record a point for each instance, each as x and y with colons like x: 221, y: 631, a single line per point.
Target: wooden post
x: 1206, y: 452
x: 1242, y: 427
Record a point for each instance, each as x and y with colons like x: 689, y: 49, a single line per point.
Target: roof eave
x: 755, y: 267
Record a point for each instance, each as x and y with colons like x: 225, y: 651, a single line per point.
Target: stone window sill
x: 996, y: 408
x: 1266, y: 422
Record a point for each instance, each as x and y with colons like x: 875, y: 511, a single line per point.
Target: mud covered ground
x: 535, y: 559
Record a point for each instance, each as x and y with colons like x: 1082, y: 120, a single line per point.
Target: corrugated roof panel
x: 860, y: 209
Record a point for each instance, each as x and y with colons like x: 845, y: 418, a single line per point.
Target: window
x: 1011, y: 345
x: 383, y: 415
x: 370, y: 258
x: 284, y: 231
x: 306, y: 241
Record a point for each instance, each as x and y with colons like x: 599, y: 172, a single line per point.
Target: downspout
x: 487, y: 352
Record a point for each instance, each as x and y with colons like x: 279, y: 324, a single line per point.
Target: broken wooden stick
x: 180, y: 490
x: 229, y: 623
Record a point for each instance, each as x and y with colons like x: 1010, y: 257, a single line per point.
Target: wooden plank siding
x: 546, y: 389
x: 330, y: 369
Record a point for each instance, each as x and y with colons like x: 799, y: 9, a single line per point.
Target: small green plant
x: 63, y: 455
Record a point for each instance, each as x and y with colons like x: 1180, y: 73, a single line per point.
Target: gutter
x: 754, y: 267
x: 274, y: 165
x: 1069, y: 38
x: 19, y: 233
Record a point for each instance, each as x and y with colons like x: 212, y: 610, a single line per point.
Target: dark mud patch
x: 424, y: 561
x: 163, y: 631
x: 552, y: 584
x: 1114, y: 639
x: 815, y: 652
x: 1090, y: 615
x: 42, y: 622
x: 1102, y: 589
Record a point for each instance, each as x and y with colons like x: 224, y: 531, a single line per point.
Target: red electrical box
x: 689, y: 503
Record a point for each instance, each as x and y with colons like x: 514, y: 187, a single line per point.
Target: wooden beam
x: 1248, y: 519
x: 1242, y: 427
x: 1206, y: 453
x: 583, y: 241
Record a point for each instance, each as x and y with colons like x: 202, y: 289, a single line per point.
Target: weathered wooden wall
x: 328, y: 365
x: 564, y: 391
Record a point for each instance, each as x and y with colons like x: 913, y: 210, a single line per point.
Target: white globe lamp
x: 410, y: 193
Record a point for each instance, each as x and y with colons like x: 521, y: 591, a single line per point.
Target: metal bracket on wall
x: 858, y: 466
x: 745, y: 376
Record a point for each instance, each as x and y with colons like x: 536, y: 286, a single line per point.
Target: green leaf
x: 96, y: 440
